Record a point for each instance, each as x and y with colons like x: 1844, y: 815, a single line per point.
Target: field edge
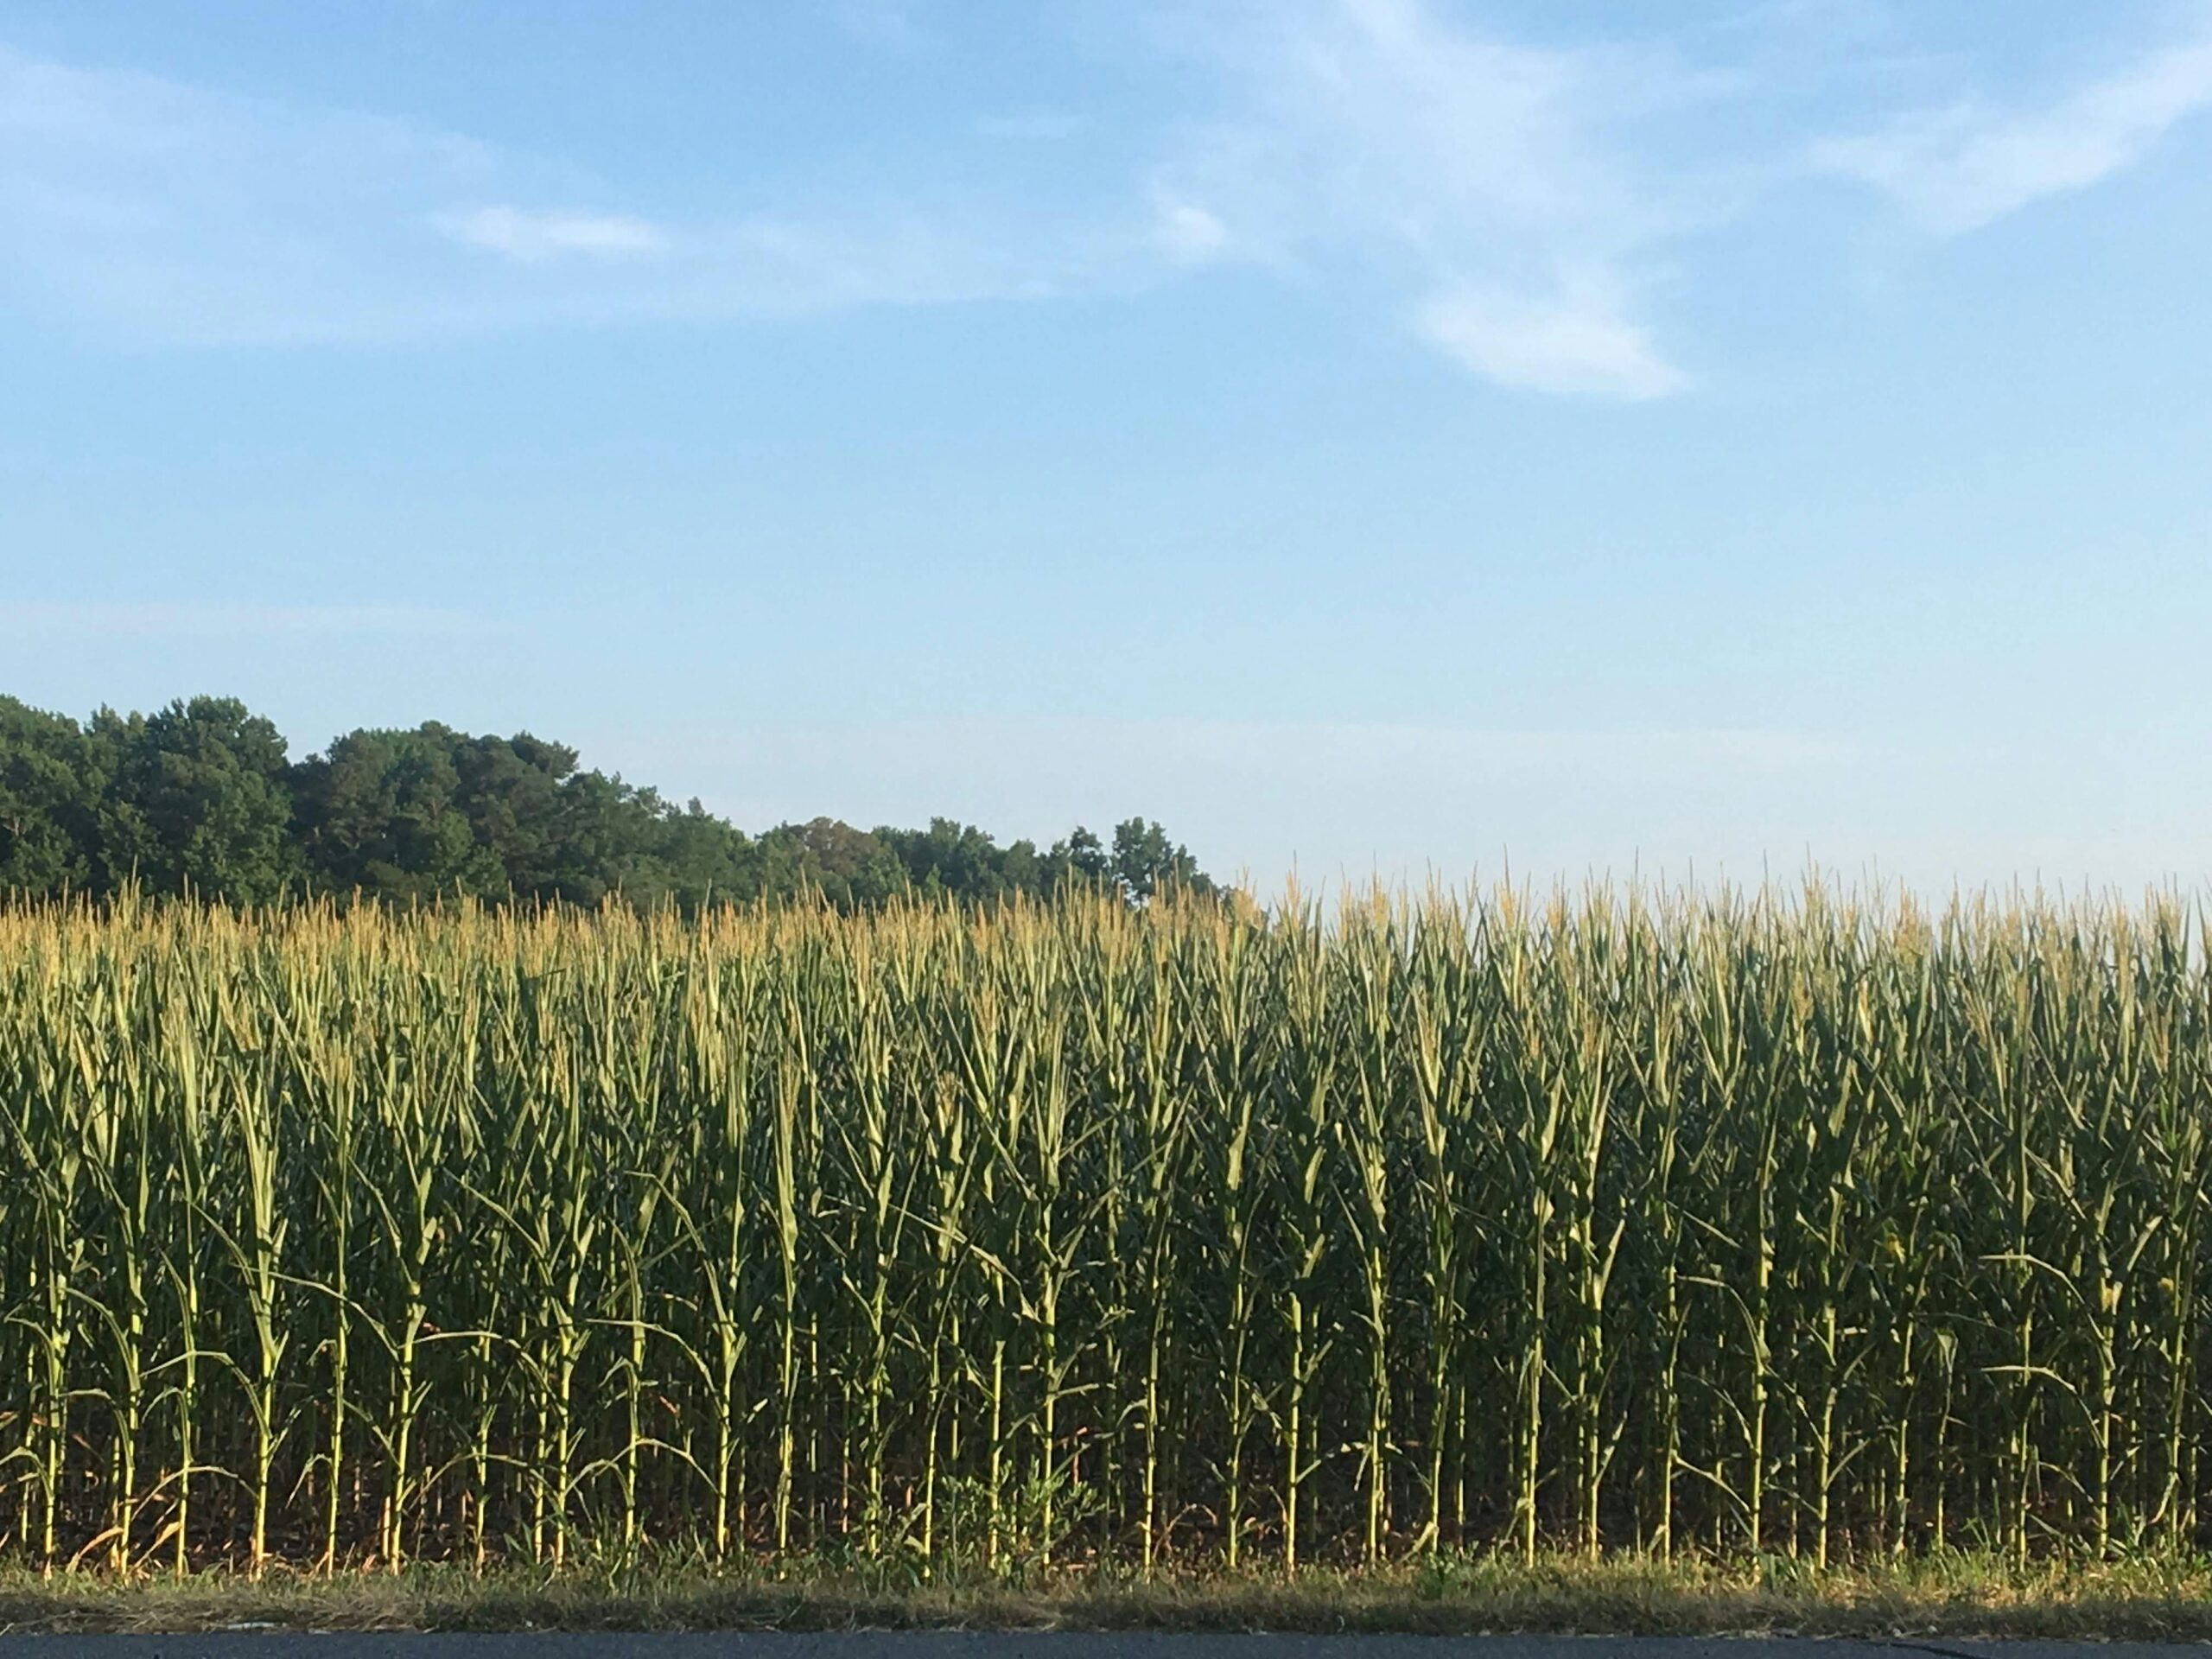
x: 1961, y: 1600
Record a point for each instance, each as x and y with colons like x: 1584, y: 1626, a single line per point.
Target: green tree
x: 415, y: 814
x: 607, y: 840
x: 962, y: 862
x: 199, y: 801
x: 50, y: 787
x: 703, y: 858
x: 1145, y: 861
x: 197, y: 796
x: 382, y: 812
x: 850, y: 866
x: 1079, y: 856
x: 511, y: 791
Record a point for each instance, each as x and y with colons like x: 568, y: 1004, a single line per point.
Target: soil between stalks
x: 1958, y: 1598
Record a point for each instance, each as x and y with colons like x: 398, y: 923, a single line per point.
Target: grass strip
x: 1956, y: 1597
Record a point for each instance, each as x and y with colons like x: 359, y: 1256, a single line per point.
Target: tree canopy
x: 201, y: 798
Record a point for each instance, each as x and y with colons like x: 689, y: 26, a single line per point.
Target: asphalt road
x: 269, y: 1644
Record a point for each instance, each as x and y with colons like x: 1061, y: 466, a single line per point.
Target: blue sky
x: 1368, y: 435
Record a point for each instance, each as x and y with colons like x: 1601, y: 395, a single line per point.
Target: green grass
x: 1951, y: 1596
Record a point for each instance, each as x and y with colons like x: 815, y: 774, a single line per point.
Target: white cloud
x: 1574, y: 341
x: 168, y: 211
x: 1959, y: 168
x: 177, y: 212
x: 1516, y: 204
x: 1499, y: 186
x: 532, y: 237
x: 1189, y: 231
x: 200, y: 619
x: 1375, y: 134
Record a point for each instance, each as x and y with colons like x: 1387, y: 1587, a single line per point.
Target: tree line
x: 203, y: 797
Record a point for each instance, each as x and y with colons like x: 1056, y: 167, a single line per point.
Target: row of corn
x: 1072, y: 1233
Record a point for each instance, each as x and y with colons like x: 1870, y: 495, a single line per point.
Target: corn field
x: 1061, y: 1234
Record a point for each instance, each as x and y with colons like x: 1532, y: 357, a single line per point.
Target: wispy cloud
x: 531, y: 236
x: 158, y: 206
x: 165, y: 211
x: 1188, y: 232
x: 1960, y: 167
x: 190, y: 618
x: 1520, y: 208
x: 1496, y: 184
x: 1485, y: 182
x: 1575, y: 341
